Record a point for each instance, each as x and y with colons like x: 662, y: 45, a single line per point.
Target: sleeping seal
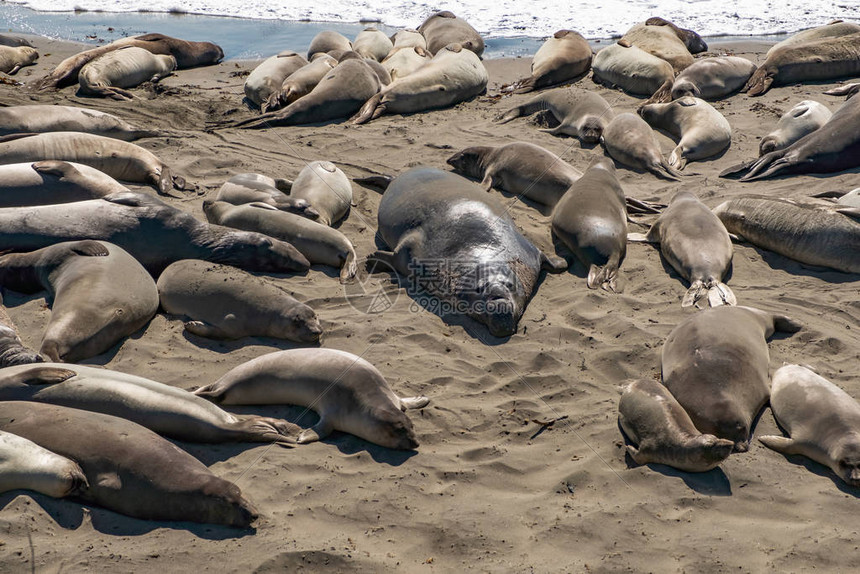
x: 326, y: 188
x: 299, y: 83
x: 49, y: 182
x: 631, y: 69
x: 444, y: 28
x: 803, y: 119
x: 409, y: 38
x: 659, y: 41
x: 831, y: 30
x: 49, y: 118
x: 255, y: 187
x: 265, y: 80
x: 12, y: 350
x: 692, y: 40
x: 708, y: 78
x: 580, y: 113
x: 13, y: 59
x: 401, y: 62
x: 629, y: 140
x: 128, y: 67
x: 24, y: 464
x: 328, y: 41
x: 562, y: 58
x: 371, y: 43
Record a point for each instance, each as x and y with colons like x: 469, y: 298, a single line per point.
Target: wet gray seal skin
x: 833, y: 147
x: 708, y: 79
x: 51, y: 181
x: 223, y: 302
x: 14, y: 41
x: 715, y: 363
x: 562, y: 58
x: 328, y: 41
x: 48, y: 118
x: 591, y: 220
x: 630, y: 68
x: 629, y: 140
x: 13, y: 59
x: 255, y: 187
x: 167, y: 410
x: 692, y: 40
x: 100, y: 294
x: 128, y: 67
x: 803, y: 119
x: 813, y: 235
x: 153, y: 232
x: 444, y: 28
x: 129, y: 468
x: 663, y: 432
x: 24, y: 464
x: 349, y: 394
x: 458, y: 243
x: 265, y: 80
x: 822, y: 421
x: 580, y: 113
x: 319, y: 243
x: 326, y: 188
x: 12, y: 350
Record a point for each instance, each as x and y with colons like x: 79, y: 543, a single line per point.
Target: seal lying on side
x: 49, y: 118
x: 580, y: 113
x: 13, y: 59
x: 831, y: 30
x: 128, y: 67
x: 815, y: 236
x: 12, y: 350
x: 591, y: 220
x: 801, y: 120
x: 716, y: 364
x: 300, y: 83
x: 100, y: 294
x: 265, y: 80
x: 822, y: 421
x: 328, y: 41
x: 349, y: 394
x: 401, y: 62
x: 326, y: 188
x: 226, y: 303
x: 708, y: 78
x: 167, y: 410
x: 130, y: 469
x: 659, y: 41
x: 14, y: 41
x: 701, y: 130
x: 444, y: 28
x: 49, y: 182
x: 371, y: 43
x: 847, y: 90
x: 663, y: 432
x: 153, y: 232
x: 696, y: 244
x: 629, y: 140
x: 564, y: 57
x: 254, y: 187
x: 631, y: 69
x: 24, y: 464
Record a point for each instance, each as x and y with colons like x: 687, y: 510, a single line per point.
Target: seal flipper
x: 736, y: 169
x: 40, y: 375
x: 319, y: 431
x: 846, y: 90
x: 206, y: 330
x: 662, y: 95
x: 371, y: 110
x: 13, y: 137
x: 786, y: 324
x: 264, y: 429
x: 780, y: 444
x: 90, y: 248
x: 56, y: 168
x: 349, y: 268
x: 677, y: 159
x: 759, y: 82
x: 413, y: 402
x: 127, y: 198
x: 210, y: 392
x: 553, y: 263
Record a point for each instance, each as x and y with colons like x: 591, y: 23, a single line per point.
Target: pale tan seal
x: 401, y: 62
x: 128, y: 67
x: 13, y: 59
x: 694, y: 43
x: 847, y: 90
x: 49, y: 182
x: 265, y: 80
x: 579, y: 113
x: 372, y: 43
x: 409, y: 38
x: 328, y: 41
x: 631, y: 69
x: 300, y: 83
x: 444, y: 28
x: 831, y: 30
x: 326, y: 188
x: 660, y: 41
x: 24, y: 464
x: 12, y: 350
x: 255, y: 187
x: 50, y: 118
x: 629, y: 140
x: 564, y: 57
x: 707, y: 78
x: 803, y: 119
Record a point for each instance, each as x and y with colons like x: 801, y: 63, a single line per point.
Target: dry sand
x: 488, y: 490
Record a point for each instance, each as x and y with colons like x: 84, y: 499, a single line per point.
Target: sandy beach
x: 490, y: 489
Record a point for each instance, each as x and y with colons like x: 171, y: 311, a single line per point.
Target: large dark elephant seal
x: 12, y: 350
x: 458, y: 244
x: 716, y: 364
x: 629, y: 140
x: 822, y: 421
x: 300, y: 83
x: 100, y: 294
x: 401, y: 62
x: 24, y: 464
x: 265, y: 80
x: 831, y: 30
x: 49, y: 182
x: 591, y: 220
x: 326, y: 188
x: 662, y: 430
x: 803, y: 119
x: 349, y: 394
x: 815, y: 236
x: 128, y: 67
x: 167, y: 410
x: 692, y: 40
x: 153, y: 232
x: 129, y: 468
x: 372, y: 43
x: 13, y: 59
x: 696, y: 244
x: 120, y: 160
x: 707, y: 78
x: 580, y: 113
x: 444, y: 28
x: 562, y: 58
x: 49, y: 118
x: 630, y: 68
x: 659, y: 41
x: 223, y: 302
x: 328, y: 41
x: 255, y: 187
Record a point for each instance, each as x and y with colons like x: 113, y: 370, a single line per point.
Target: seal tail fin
x: 665, y: 171
x: 759, y: 82
x: 677, y: 159
x: 263, y: 429
x: 523, y: 86
x: 662, y: 95
x: 209, y: 392
x: 767, y: 166
x: 604, y: 276
x: 372, y: 109
x: 510, y: 115
x: 715, y: 293
x: 350, y: 267
x: 376, y: 182
x: 846, y: 90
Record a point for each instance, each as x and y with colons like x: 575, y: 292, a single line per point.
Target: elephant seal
x: 153, y: 232
x: 100, y: 294
x: 187, y: 54
x: 708, y: 78
x: 832, y: 30
x: 371, y: 43
x: 223, y: 302
x: 457, y: 243
x: 265, y: 80
x: 696, y: 244
x: 630, y: 68
x: 803, y: 119
x: 664, y: 434
x: 49, y: 118
x: 349, y: 394
x: 453, y: 75
x: 822, y: 421
x: 254, y: 187
x: 319, y: 243
x: 50, y: 182
x: 715, y: 363
x: 692, y: 41
x: 591, y: 220
x: 328, y: 41
x: 326, y: 188
x: 24, y: 464
x: 409, y: 38
x: 300, y: 83
x: 444, y: 28
x: 629, y: 140
x: 822, y: 59
x: 128, y: 67
x: 167, y: 410
x: 118, y: 159
x: 129, y: 468
x: 846, y: 90
x: 659, y: 41
x: 580, y: 113
x: 13, y: 59
x: 520, y: 168
x: 701, y: 130
x: 12, y: 350
x: 562, y: 58
x: 378, y: 69
x: 401, y: 62
x: 843, y: 198
x: 821, y: 237
x: 14, y: 41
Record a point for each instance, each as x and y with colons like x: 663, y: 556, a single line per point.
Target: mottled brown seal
x: 372, y: 43
x: 659, y: 41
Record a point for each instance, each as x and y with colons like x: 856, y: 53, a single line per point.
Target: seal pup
x: 349, y: 394
x: 319, y: 243
x: 822, y: 421
x: 12, y: 350
x: 409, y: 38
x: 591, y: 220
x: 265, y: 80
x: 701, y: 130
x: 49, y: 182
x: 453, y: 75
x: 659, y: 41
x: 401, y: 62
x: 707, y: 78
x: 696, y: 244
x: 255, y: 187
x: 692, y: 40
x: 715, y: 363
x: 13, y: 59
x: 371, y: 43
x: 50, y: 118
x: 444, y: 28
x: 562, y: 58
x: 629, y: 140
x: 580, y: 113
x: 803, y: 119
x: 328, y: 41
x: 631, y: 69
x: 118, y: 159
x: 129, y: 468
x: 300, y: 83
x: 664, y: 434
x: 326, y: 188
x: 167, y: 410
x: 815, y: 236
x: 128, y: 67
x: 100, y: 294
x: 24, y: 464
x: 833, y: 29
